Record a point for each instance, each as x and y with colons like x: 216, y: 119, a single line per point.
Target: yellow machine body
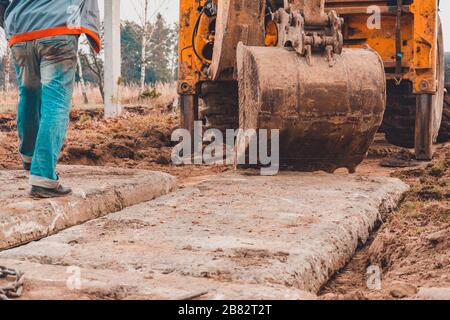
x: 419, y: 27
x: 403, y: 39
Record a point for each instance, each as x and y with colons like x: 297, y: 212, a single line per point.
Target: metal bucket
x: 328, y: 112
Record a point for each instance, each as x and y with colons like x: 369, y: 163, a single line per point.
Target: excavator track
x: 219, y: 105
x: 444, y: 133
x: 400, y: 118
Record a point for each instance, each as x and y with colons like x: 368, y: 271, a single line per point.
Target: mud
x: 391, y: 156
x: 413, y: 245
x: 139, y: 139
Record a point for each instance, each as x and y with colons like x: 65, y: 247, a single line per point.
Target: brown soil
x: 412, y: 248
x: 140, y: 138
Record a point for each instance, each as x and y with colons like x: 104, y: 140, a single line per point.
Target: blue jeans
x: 46, y: 72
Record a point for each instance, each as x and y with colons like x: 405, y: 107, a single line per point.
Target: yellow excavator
x: 326, y: 73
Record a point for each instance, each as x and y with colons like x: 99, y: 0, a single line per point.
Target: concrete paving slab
x: 96, y: 192
x: 44, y: 281
x: 433, y: 294
x: 266, y: 236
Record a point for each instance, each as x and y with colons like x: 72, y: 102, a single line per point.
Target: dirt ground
x: 140, y: 139
x: 412, y: 248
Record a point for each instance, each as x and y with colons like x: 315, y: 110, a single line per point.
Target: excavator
x: 328, y: 74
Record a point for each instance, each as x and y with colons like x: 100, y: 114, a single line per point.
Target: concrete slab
x: 97, y: 191
x: 433, y: 294
x: 237, y: 236
x: 45, y: 281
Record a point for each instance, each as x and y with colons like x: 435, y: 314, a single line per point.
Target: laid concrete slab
x: 96, y: 192
x: 433, y: 294
x: 235, y: 236
x: 46, y: 281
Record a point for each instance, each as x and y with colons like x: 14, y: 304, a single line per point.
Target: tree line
x: 149, y: 55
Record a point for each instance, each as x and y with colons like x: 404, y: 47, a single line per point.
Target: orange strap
x: 38, y: 34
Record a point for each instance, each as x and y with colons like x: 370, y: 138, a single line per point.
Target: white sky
x: 130, y: 9
x: 445, y: 15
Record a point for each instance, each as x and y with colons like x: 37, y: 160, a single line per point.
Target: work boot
x: 26, y: 166
x: 40, y: 192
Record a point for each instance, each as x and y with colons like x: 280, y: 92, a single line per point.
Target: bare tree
x: 144, y: 46
x: 95, y: 65
x: 7, y: 68
x: 82, y: 83
x: 146, y: 32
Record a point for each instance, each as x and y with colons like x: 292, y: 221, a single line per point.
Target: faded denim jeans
x: 46, y: 72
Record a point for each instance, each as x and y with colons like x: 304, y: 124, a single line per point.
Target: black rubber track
x: 444, y: 133
x: 400, y: 116
x: 219, y: 105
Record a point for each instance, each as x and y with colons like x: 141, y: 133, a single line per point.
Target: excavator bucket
x: 327, y: 110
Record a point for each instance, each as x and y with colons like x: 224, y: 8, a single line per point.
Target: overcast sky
x: 131, y: 9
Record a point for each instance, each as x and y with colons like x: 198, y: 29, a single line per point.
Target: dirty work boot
x: 40, y: 192
x: 26, y: 166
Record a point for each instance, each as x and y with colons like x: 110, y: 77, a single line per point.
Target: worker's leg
x: 58, y: 66
x: 28, y: 111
